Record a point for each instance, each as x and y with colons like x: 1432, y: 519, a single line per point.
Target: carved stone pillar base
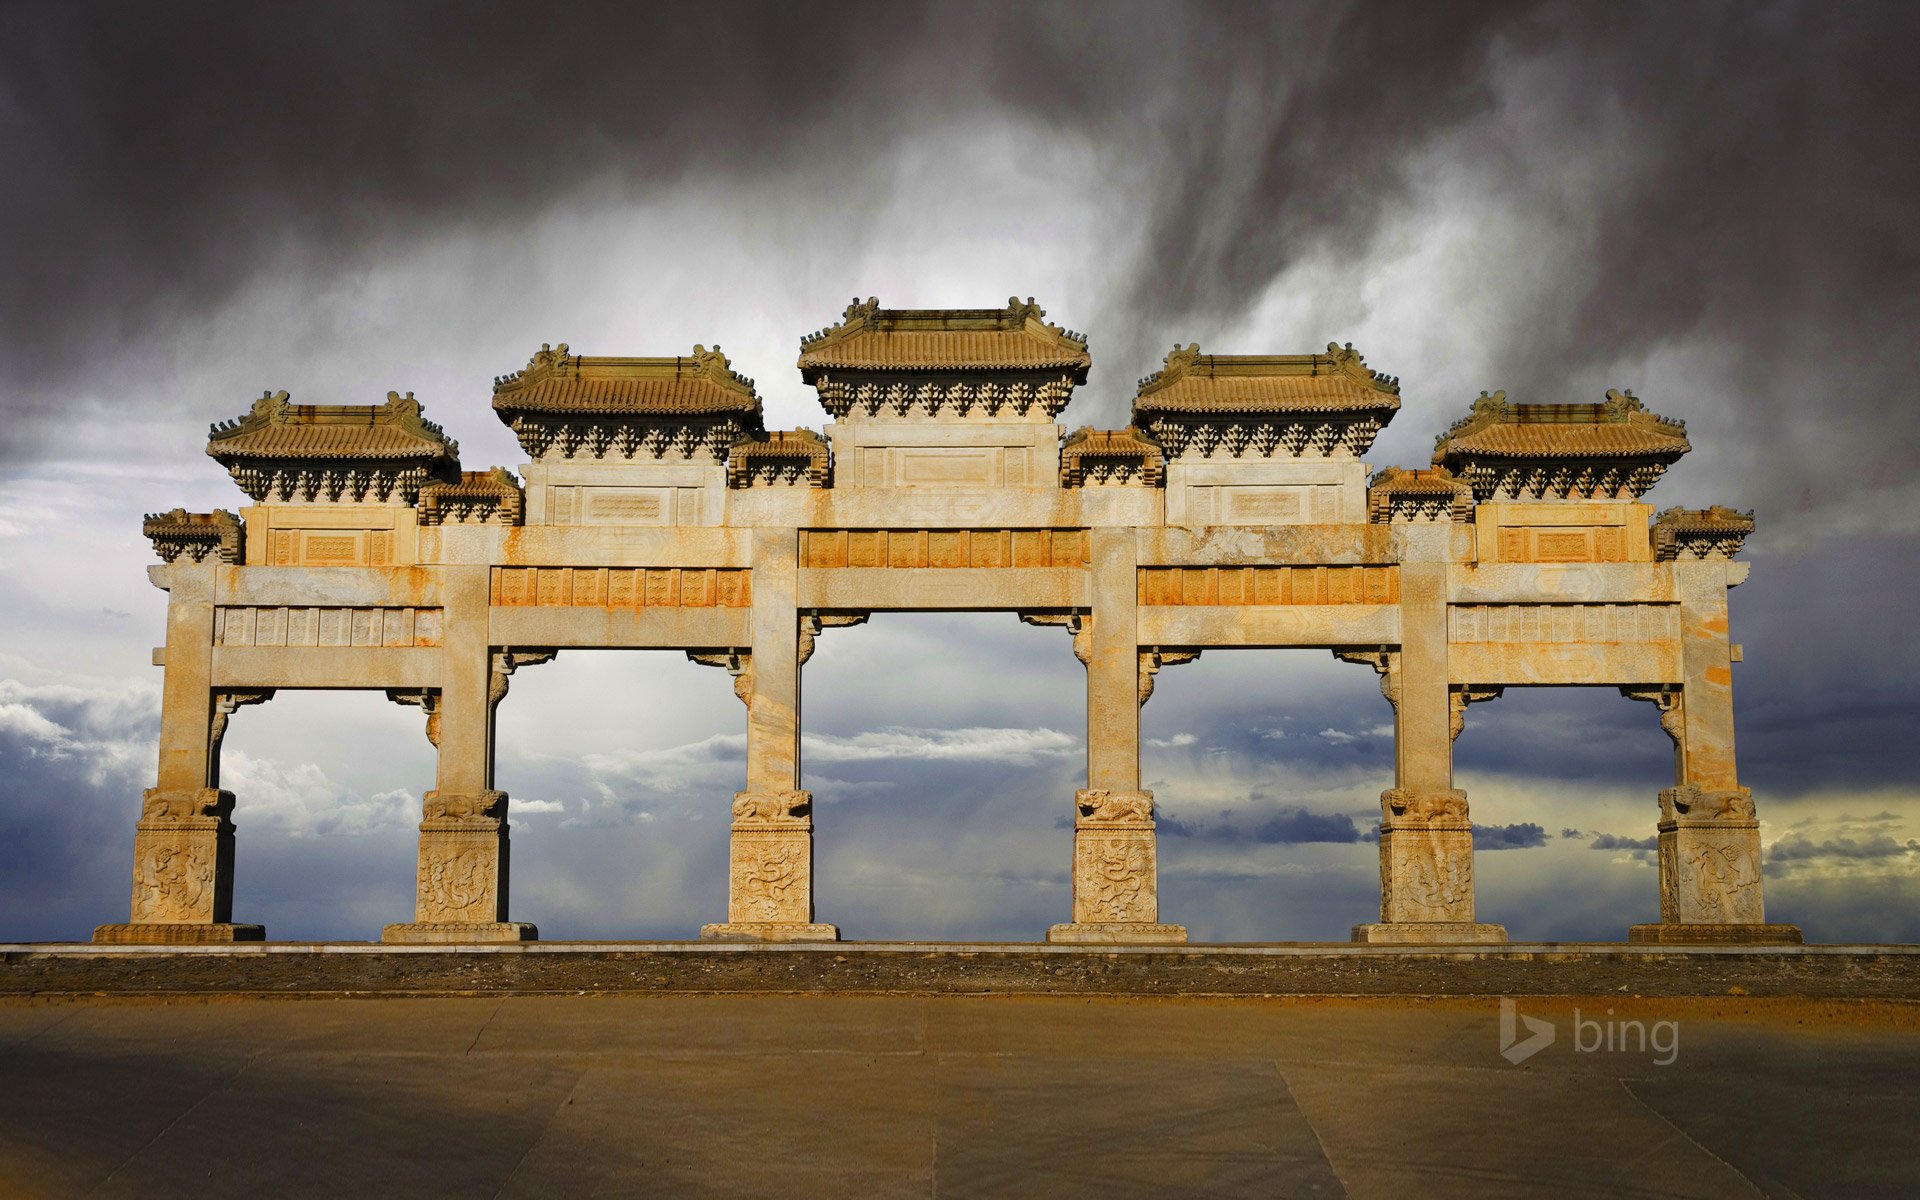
x: 1429, y: 933
x: 1709, y: 857
x: 158, y: 934
x: 1116, y: 890
x: 1426, y: 858
x: 770, y: 870
x: 769, y: 931
x: 1678, y: 934
x: 183, y: 867
x: 464, y: 851
x: 444, y: 932
x: 1118, y: 933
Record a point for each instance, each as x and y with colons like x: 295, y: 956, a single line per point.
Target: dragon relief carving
x: 172, y: 882
x: 770, y: 881
x: 1116, y: 880
x: 1434, y: 885
x: 457, y: 883
x: 1718, y: 883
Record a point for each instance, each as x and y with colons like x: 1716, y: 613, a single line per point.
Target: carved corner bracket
x: 1384, y: 661
x: 427, y: 700
x: 736, y: 661
x: 812, y: 623
x: 1079, y: 624
x: 1457, y: 700
x: 508, y: 659
x: 1156, y: 657
x: 1669, y: 699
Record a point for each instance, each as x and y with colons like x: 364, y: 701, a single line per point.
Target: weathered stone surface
x: 658, y: 511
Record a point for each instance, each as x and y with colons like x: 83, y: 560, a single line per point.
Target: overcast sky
x: 1712, y: 204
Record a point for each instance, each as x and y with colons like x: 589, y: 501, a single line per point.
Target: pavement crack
x: 1627, y: 1087
x: 183, y: 1115
x: 1311, y: 1127
x: 481, y: 1032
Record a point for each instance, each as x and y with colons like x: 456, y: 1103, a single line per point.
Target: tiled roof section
x: 481, y: 496
x: 1717, y: 532
x: 1620, y: 428
x: 1335, y: 382
x: 1014, y: 338
x: 1398, y: 493
x: 277, y: 428
x: 801, y: 450
x: 195, y: 536
x: 559, y: 382
x: 1088, y: 446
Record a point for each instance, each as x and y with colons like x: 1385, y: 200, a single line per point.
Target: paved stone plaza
x: 795, y: 1096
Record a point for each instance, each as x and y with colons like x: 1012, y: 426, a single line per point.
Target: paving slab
x: 801, y: 1096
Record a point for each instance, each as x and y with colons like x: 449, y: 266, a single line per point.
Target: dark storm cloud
x: 163, y: 155
x: 1264, y: 825
x: 1524, y: 835
x: 1613, y: 841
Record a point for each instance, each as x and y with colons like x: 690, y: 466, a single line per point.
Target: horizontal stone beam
x: 1278, y: 545
x: 329, y: 587
x: 326, y: 667
x: 1603, y: 664
x: 1268, y: 626
x: 872, y: 589
x: 621, y: 628
x: 1562, y: 583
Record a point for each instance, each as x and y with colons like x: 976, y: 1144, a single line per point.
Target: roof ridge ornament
x: 715, y: 366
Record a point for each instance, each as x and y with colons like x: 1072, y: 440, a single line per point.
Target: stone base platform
x: 459, y: 932
x: 1117, y: 933
x: 768, y: 931
x: 1430, y: 933
x: 909, y: 968
x: 158, y: 934
x: 1715, y: 935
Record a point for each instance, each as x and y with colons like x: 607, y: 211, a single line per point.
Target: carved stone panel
x: 1426, y: 874
x: 459, y: 875
x: 623, y: 587
x: 1269, y: 585
x: 771, y: 874
x: 1115, y: 876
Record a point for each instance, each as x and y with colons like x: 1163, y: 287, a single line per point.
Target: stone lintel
x: 1714, y: 934
x: 1119, y: 933
x: 1432, y: 933
x: 157, y: 933
x: 457, y: 932
x: 769, y: 931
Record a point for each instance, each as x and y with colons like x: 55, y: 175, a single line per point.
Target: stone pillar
x: 1115, y: 870
x: 770, y: 847
x: 465, y: 852
x: 1709, y: 831
x: 1426, y: 836
x: 183, y: 843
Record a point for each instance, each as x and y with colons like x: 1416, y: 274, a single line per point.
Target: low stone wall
x: 1881, y: 972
